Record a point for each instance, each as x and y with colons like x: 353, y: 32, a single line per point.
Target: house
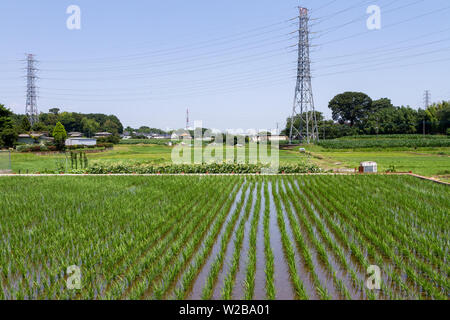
x: 102, y: 135
x: 81, y: 142
x: 182, y: 136
x: 278, y: 138
x: 271, y: 138
x: 34, y: 138
x: 75, y: 135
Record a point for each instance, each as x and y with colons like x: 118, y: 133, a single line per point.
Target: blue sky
x: 232, y: 63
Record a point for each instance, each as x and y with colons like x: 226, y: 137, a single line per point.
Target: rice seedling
x: 165, y: 237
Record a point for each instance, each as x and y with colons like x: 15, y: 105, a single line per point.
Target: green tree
x: 351, y: 107
x: 60, y: 136
x: 89, y: 127
x: 111, y: 127
x: 54, y: 111
x: 25, y: 125
x: 8, y: 134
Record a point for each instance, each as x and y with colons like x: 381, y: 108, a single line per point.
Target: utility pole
x: 31, y: 104
x: 303, y: 108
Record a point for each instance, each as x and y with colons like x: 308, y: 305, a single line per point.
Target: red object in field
x: 361, y: 169
x: 282, y: 172
x: 410, y: 172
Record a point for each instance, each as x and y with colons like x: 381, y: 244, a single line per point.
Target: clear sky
x: 232, y: 63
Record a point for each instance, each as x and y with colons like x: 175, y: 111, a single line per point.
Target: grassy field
x: 424, y: 161
x: 310, y: 237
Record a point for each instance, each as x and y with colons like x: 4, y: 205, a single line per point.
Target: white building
x: 81, y: 142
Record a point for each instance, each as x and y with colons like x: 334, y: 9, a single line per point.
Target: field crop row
x: 381, y: 143
x: 213, y: 237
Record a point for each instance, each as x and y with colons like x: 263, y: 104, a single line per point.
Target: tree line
x: 11, y: 125
x: 355, y: 113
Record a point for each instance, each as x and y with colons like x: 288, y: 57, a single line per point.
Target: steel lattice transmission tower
x: 304, y: 101
x: 188, y: 122
x: 427, y: 98
x: 31, y: 106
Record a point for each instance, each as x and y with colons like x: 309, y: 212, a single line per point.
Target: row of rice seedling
x: 249, y: 283
x: 378, y: 228
x: 227, y: 290
x: 64, y: 244
x: 338, y: 243
x: 269, y: 269
x: 218, y: 262
x: 313, y: 220
x: 412, y: 247
x: 190, y: 275
x: 362, y: 246
x: 288, y: 248
x: 102, y: 238
x: 315, y: 244
x: 171, y: 237
x: 190, y: 233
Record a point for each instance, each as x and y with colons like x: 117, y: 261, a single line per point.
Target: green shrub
x: 223, y: 168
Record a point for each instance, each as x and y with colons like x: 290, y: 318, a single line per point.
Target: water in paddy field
x: 283, y: 286
x: 260, y: 276
x: 239, y: 289
x: 200, y: 282
x: 229, y: 252
x: 325, y: 278
x: 302, y: 269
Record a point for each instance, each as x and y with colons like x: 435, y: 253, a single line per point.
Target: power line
x: 390, y: 25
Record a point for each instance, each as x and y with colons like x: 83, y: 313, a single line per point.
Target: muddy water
x: 260, y: 275
x: 325, y: 278
x: 228, y: 258
x: 284, y: 289
x: 199, y: 283
x: 302, y: 270
x: 239, y: 288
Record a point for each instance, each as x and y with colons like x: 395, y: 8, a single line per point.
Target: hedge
x: 224, y: 168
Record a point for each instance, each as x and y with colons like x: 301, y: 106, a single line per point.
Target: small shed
x: 368, y: 167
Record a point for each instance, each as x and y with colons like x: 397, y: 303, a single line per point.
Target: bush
x: 114, y: 139
x: 224, y: 168
x: 105, y: 145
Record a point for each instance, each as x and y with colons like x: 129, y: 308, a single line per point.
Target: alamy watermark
x: 73, y: 281
x: 374, y: 280
x: 74, y: 20
x: 374, y: 20
x: 239, y: 146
